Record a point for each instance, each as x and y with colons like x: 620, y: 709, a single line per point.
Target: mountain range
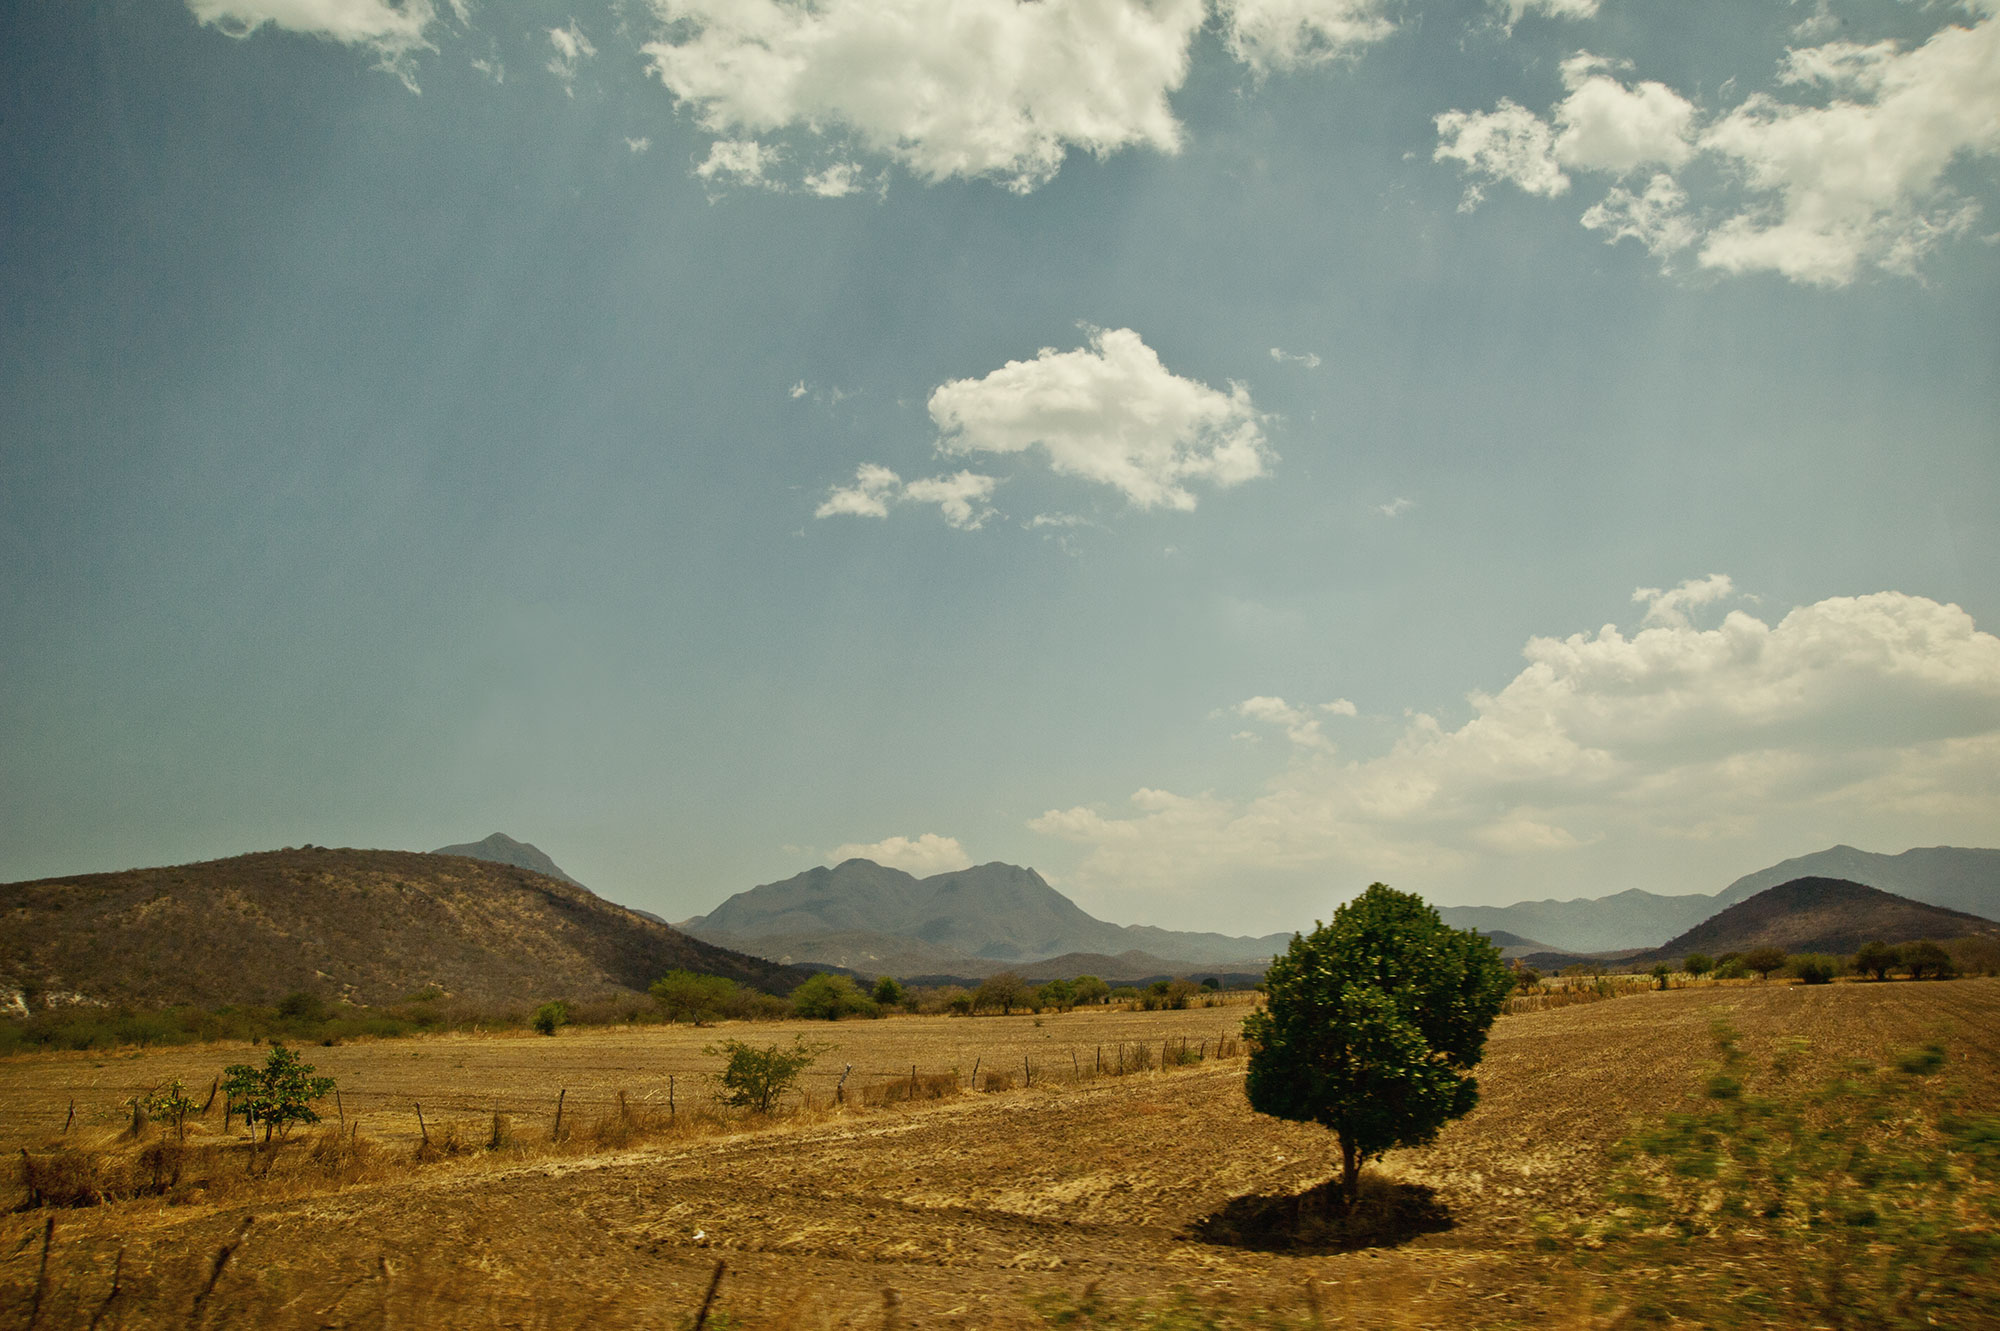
x: 968, y: 922
x: 1946, y: 876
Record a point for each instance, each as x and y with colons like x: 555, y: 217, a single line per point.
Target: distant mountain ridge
x: 1822, y: 915
x: 1951, y: 877
x: 499, y: 848
x: 369, y: 926
x: 987, y: 917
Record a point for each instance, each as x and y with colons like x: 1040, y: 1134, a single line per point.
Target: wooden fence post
x: 561, y: 1095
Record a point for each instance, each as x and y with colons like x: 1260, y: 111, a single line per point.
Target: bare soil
x: 982, y: 1209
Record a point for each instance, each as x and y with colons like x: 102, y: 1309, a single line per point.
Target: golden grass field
x: 1067, y: 1201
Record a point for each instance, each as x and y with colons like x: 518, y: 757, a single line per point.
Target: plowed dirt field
x: 973, y: 1210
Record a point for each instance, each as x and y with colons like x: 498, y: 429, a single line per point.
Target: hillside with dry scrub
x: 364, y: 926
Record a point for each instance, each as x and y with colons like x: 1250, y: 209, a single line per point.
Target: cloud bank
x: 1851, y: 175
x: 945, y: 88
x: 1847, y: 712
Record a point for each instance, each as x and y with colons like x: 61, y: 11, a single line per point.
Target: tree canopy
x: 1372, y: 1025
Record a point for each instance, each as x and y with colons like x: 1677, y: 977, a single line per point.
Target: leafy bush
x: 1661, y: 973
x: 551, y: 1015
x: 753, y: 1078
x: 1527, y: 977
x: 1815, y: 967
x: 699, y: 998
x: 1089, y: 989
x: 829, y: 997
x: 888, y: 992
x: 1057, y: 994
x: 1698, y: 964
x: 278, y: 1094
x: 1005, y: 991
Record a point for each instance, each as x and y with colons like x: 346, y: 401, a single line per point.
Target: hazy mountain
x: 503, y: 849
x: 1946, y: 876
x: 1822, y: 915
x: 993, y: 913
x: 368, y: 925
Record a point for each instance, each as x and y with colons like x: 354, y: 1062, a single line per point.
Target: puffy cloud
x: 1670, y: 605
x: 925, y: 855
x: 1606, y: 126
x: 1284, y: 34
x: 1854, y: 176
x: 1110, y: 413
x: 571, y: 48
x: 1857, y: 181
x: 394, y: 32
x: 1846, y: 716
x: 1509, y: 143
x: 944, y: 87
x: 1309, y: 359
x: 961, y: 498
x: 1601, y: 126
x: 1300, y: 724
x: 739, y: 160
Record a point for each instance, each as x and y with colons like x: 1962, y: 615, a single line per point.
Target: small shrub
x: 1661, y: 974
x: 698, y: 998
x: 754, y: 1078
x: 888, y: 992
x: 1698, y: 964
x: 997, y: 1081
x: 279, y: 1094
x: 1815, y: 967
x: 551, y: 1015
x: 70, y: 1178
x: 1527, y: 978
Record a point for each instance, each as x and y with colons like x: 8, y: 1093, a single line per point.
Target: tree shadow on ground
x: 1387, y: 1214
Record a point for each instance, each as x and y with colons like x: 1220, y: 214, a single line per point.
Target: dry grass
x: 1152, y: 1200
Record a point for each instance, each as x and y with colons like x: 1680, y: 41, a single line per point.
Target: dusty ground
x: 971, y: 1211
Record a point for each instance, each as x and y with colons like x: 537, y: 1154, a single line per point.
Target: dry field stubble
x: 965, y: 1211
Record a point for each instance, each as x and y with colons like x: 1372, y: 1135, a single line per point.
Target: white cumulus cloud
x: 1853, y: 717
x: 922, y: 856
x: 1852, y: 174
x: 395, y: 32
x: 973, y: 88
x: 1110, y: 413
x: 1284, y: 34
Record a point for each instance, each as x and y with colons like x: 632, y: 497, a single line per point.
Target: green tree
x: 697, y: 997
x: 1372, y: 1025
x: 1005, y: 991
x: 1527, y: 977
x: 1089, y: 989
x: 278, y: 1094
x: 1815, y: 967
x: 888, y: 992
x: 829, y: 997
x: 1661, y: 973
x: 1764, y: 960
x: 1698, y: 964
x: 754, y: 1078
x: 1877, y: 959
x: 1057, y: 994
x: 550, y: 1015
x: 1928, y: 960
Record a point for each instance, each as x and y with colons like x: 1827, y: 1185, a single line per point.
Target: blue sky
x: 1218, y: 452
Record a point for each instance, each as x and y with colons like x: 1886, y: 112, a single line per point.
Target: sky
x: 1220, y: 453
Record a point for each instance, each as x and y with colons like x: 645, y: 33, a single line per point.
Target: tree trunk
x: 1350, y: 1172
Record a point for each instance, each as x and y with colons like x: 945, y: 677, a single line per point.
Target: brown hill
x: 1821, y: 915
x: 370, y: 926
